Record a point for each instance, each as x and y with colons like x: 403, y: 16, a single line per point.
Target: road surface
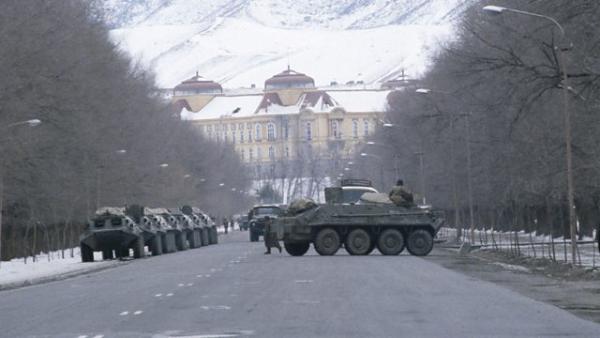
x: 234, y: 290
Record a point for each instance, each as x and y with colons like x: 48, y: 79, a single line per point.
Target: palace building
x: 291, y: 125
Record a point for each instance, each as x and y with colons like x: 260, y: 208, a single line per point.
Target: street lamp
x: 422, y: 170
x: 380, y: 166
x: 427, y: 91
x: 31, y: 123
x: 497, y: 10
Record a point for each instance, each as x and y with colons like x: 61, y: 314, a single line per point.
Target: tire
x: 138, y: 248
x: 390, y: 242
x: 327, y: 242
x: 191, y: 237
x: 107, y: 255
x: 87, y: 254
x: 123, y: 252
x: 358, y: 242
x: 180, y: 242
x: 169, y: 242
x: 296, y: 249
x: 205, y: 235
x: 156, y: 246
x: 419, y: 243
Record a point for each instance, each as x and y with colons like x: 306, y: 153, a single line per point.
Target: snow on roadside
x: 17, y: 271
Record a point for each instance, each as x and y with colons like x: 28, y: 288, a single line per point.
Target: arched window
x: 355, y: 128
x: 258, y: 130
x: 249, y: 127
x: 308, y: 131
x: 366, y: 128
x: 335, y: 129
x: 271, y: 132
x: 271, y: 153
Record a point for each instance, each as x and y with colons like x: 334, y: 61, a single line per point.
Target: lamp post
x: 98, y: 177
x: 426, y: 91
x: 31, y: 123
x: 422, y: 174
x: 396, y: 157
x: 562, y: 64
x: 380, y: 166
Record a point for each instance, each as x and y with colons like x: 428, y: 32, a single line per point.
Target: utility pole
x: 422, y: 176
x: 469, y: 176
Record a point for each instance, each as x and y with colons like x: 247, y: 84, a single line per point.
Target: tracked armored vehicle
x: 112, y: 232
x: 360, y: 227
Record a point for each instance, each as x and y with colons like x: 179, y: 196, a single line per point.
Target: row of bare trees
x: 107, y: 136
x: 491, y: 125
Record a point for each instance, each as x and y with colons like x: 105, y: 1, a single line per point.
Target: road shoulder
x: 573, y: 290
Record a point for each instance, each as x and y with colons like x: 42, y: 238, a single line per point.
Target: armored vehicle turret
x: 190, y: 230
x: 359, y: 227
x: 200, y: 225
x: 112, y: 232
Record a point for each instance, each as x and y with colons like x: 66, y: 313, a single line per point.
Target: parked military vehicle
x: 201, y: 226
x: 175, y: 229
x: 157, y: 217
x: 191, y: 235
x: 153, y: 232
x: 359, y: 227
x: 243, y: 222
x: 112, y: 232
x: 257, y: 217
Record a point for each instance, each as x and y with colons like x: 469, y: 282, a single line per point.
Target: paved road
x: 232, y: 290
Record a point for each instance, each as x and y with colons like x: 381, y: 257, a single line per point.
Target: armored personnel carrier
x: 154, y: 233
x: 200, y: 225
x: 112, y: 232
x: 359, y: 227
x: 190, y: 230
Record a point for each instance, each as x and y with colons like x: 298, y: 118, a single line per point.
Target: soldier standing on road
x: 401, y: 196
x: 225, y: 224
x: 270, y: 237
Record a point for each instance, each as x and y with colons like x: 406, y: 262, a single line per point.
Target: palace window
x: 271, y: 132
x: 241, y: 135
x: 243, y: 154
x: 250, y: 155
x: 308, y: 131
x: 257, y: 134
x: 355, y: 128
x: 271, y: 153
x: 258, y: 154
x: 366, y: 128
x: 233, y: 134
x: 286, y: 130
x: 335, y: 131
x: 287, y: 151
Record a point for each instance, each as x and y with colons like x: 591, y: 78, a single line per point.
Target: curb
x: 59, y: 277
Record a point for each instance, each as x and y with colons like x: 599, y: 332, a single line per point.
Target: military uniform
x: 270, y: 237
x: 402, y: 197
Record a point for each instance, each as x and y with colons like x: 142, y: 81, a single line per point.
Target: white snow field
x: 46, y: 266
x: 244, y: 42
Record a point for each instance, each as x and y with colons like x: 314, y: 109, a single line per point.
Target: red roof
x: 199, y: 84
x: 290, y: 78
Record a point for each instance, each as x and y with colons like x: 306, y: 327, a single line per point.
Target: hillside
x: 243, y: 42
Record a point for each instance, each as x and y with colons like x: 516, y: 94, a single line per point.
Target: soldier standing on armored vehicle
x: 401, y: 196
x: 270, y: 237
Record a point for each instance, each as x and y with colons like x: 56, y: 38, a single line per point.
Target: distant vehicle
x: 243, y: 222
x: 353, y: 189
x: 256, y: 219
x: 360, y: 228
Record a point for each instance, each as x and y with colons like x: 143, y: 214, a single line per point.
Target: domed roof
x: 198, y: 85
x: 289, y: 79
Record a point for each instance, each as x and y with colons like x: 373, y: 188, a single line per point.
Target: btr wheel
x: 390, y: 242
x: 138, y: 248
x: 107, y: 255
x: 296, y: 249
x: 327, y: 242
x: 358, y: 242
x: 87, y: 254
x: 156, y: 245
x: 420, y: 243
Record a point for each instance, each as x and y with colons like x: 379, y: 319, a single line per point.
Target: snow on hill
x: 243, y: 42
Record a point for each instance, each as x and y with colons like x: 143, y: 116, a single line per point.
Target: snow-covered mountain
x: 243, y: 42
